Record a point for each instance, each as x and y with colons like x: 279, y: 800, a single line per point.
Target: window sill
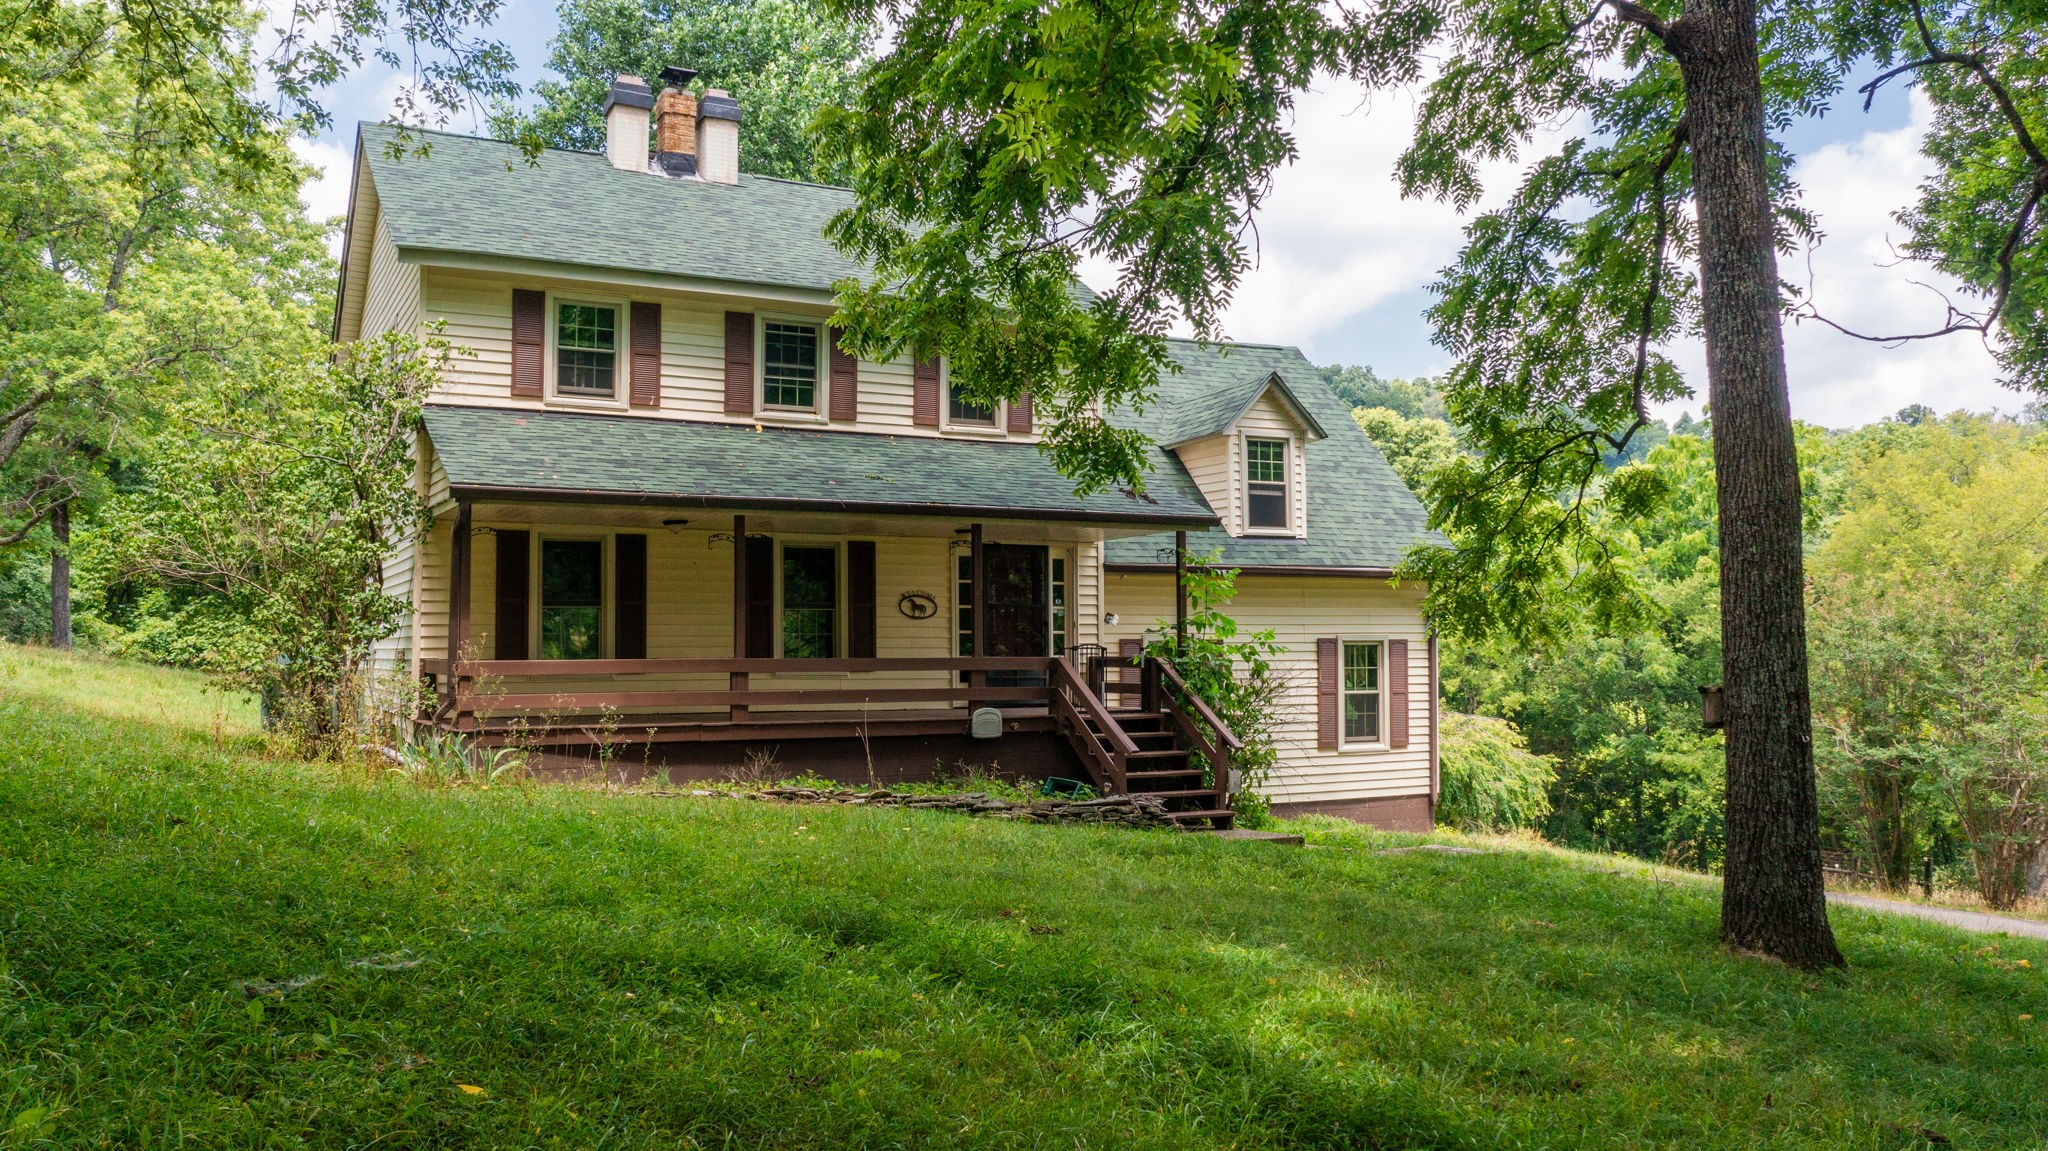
x: 788, y: 416
x: 978, y: 431
x: 1274, y: 533
x: 1363, y: 747
x: 586, y: 403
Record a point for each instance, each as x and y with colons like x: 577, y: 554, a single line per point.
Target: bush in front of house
x: 1491, y: 781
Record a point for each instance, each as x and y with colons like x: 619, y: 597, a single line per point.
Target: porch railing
x: 468, y: 690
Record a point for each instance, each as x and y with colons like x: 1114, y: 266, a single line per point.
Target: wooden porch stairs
x: 1171, y: 748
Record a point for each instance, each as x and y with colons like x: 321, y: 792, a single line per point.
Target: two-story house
x: 671, y: 515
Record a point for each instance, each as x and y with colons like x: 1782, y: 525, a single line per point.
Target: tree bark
x: 60, y: 577
x: 1772, y: 900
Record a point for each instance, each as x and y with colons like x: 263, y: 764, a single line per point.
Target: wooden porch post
x: 977, y: 615
x: 1180, y: 592
x: 737, y: 681
x: 458, y: 607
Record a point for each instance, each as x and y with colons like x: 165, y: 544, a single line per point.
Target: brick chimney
x: 718, y: 137
x: 675, y: 123
x: 625, y: 123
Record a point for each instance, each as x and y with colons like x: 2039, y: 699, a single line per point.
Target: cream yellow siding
x: 391, y: 302
x: 1301, y: 610
x: 1212, y: 463
x: 477, y: 311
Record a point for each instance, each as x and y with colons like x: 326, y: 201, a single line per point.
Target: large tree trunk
x: 60, y: 577
x: 1772, y: 900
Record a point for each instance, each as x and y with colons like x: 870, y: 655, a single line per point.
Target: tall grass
x: 209, y: 948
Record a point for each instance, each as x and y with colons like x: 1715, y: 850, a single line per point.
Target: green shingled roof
x: 1217, y: 411
x: 571, y: 454
x: 1360, y: 514
x: 483, y: 197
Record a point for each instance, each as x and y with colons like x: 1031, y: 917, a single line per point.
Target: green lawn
x: 545, y: 966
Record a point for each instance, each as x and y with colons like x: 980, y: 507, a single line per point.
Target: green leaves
x: 272, y: 506
x: 997, y: 146
x: 783, y: 60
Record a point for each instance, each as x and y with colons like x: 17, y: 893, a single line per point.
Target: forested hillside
x: 1927, y: 540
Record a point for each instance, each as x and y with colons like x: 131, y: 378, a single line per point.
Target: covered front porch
x: 691, y: 640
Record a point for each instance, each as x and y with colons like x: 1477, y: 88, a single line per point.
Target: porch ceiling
x: 505, y: 455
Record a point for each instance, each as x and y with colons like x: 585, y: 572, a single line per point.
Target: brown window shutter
x: 1329, y: 700
x: 760, y: 597
x: 1397, y: 693
x: 514, y: 579
x: 924, y: 395
x: 860, y: 599
x: 646, y: 345
x: 629, y: 583
x: 529, y: 340
x: 1020, y: 415
x: 845, y: 383
x: 739, y: 363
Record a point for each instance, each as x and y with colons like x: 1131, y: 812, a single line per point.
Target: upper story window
x: 789, y: 365
x: 586, y: 349
x: 961, y: 409
x: 1265, y: 481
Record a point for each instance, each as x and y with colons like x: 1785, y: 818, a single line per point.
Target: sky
x: 1344, y: 263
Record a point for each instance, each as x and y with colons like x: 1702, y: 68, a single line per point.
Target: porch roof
x: 502, y: 453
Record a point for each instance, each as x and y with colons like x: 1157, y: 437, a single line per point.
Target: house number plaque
x: 918, y: 604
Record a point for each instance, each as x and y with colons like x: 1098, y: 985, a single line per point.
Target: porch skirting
x: 1020, y: 757
x: 1393, y: 813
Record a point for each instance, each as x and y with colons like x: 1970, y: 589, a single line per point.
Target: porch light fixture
x: 1110, y: 619
x: 483, y: 531
x: 718, y: 538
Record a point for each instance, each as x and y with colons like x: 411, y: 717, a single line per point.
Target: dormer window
x: 1265, y: 482
x: 789, y: 365
x: 586, y: 349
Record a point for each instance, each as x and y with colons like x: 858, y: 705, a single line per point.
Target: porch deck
x: 1170, y: 744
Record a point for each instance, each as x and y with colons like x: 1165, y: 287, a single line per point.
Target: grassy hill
x: 200, y: 946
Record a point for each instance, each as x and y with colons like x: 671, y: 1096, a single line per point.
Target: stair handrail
x: 1076, y: 704
x: 1201, y: 707
x: 1175, y: 702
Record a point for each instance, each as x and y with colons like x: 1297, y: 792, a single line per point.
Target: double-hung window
x: 810, y: 601
x: 571, y: 599
x: 789, y: 365
x: 586, y: 349
x: 1265, y: 482
x: 1362, y: 692
x: 963, y: 409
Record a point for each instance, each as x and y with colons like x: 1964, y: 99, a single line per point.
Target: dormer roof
x: 1219, y: 410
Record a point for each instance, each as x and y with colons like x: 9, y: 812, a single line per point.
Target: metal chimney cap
x: 676, y: 77
x: 717, y: 104
x: 631, y: 91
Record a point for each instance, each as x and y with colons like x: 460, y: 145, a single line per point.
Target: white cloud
x: 1858, y: 281
x: 1340, y: 251
x: 1335, y: 238
x: 325, y: 194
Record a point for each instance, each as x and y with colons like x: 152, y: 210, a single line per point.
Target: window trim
x: 622, y: 311
x: 998, y: 426
x: 1290, y: 465
x: 839, y: 604
x: 1344, y: 740
x: 821, y: 399
x: 607, y: 578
